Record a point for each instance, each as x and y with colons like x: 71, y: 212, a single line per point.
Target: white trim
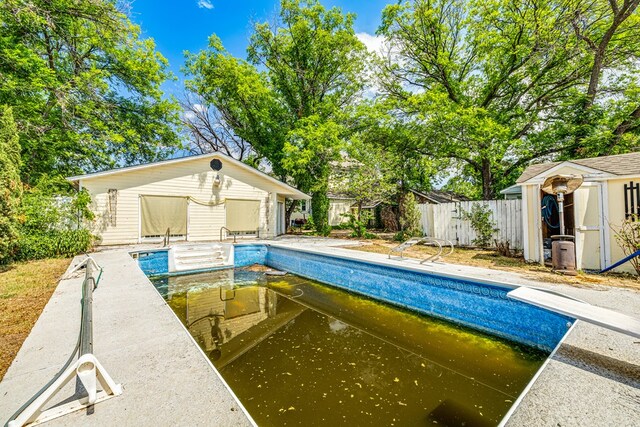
x: 604, y: 202
x: 603, y: 243
x: 186, y: 237
x: 578, y: 236
x: 291, y: 191
x: 139, y: 220
x: 525, y: 224
x: 588, y: 171
x: 538, y: 224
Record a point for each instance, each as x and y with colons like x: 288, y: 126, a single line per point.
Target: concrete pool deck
x: 593, y: 378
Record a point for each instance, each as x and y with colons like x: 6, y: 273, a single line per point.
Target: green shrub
x: 410, y: 216
x: 52, y: 221
x: 54, y: 243
x: 481, y: 223
x: 401, y: 236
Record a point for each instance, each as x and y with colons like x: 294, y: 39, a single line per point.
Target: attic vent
x: 216, y: 165
x: 632, y: 201
x: 112, y: 206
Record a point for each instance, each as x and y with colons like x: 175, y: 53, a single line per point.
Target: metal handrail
x: 424, y: 240
x: 166, y: 239
x: 228, y: 232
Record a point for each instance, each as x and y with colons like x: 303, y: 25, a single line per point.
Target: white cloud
x: 205, y: 4
x: 372, y: 42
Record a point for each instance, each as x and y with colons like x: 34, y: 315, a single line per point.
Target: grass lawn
x: 492, y: 260
x: 25, y: 288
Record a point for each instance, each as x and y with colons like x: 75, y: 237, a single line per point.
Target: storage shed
x: 609, y: 194
x: 195, y: 198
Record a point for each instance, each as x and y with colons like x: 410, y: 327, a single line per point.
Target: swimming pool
x: 381, y: 344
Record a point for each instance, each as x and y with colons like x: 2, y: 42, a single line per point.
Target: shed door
x: 588, y: 220
x: 243, y: 215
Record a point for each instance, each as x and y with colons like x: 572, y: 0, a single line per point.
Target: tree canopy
x: 84, y: 87
x: 494, y: 84
x: 287, y: 98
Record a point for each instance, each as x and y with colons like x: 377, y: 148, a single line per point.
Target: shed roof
x: 619, y: 165
x: 284, y: 189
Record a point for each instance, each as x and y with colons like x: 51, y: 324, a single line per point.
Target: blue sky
x: 182, y: 25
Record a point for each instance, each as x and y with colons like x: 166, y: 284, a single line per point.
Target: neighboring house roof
x: 335, y: 196
x: 285, y: 189
x: 441, y: 196
x: 368, y: 204
x: 619, y: 165
x: 514, y: 189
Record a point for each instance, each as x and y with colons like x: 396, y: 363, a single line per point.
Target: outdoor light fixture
x: 217, y: 181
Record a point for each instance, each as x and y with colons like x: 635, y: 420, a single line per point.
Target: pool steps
x: 200, y: 256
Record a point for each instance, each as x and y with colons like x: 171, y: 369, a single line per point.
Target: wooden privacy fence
x: 444, y: 221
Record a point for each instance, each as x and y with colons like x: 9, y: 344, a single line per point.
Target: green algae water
x: 297, y: 352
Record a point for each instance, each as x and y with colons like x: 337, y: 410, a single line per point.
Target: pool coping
x: 544, y: 401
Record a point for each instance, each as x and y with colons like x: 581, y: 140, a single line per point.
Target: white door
x: 589, y: 226
x: 280, y: 219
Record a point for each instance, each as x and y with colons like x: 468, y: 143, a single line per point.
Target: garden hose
x: 549, y: 203
x: 60, y: 372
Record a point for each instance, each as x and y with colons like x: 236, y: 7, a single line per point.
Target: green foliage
x: 10, y: 185
x: 358, y: 224
x: 628, y: 237
x: 303, y: 69
x: 492, y: 85
x: 54, y: 243
x: 52, y: 220
x: 84, y: 87
x: 402, y: 236
x: 410, y: 215
x: 319, y: 212
x: 482, y: 223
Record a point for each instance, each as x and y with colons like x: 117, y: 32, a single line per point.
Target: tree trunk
x: 487, y: 180
x: 288, y: 212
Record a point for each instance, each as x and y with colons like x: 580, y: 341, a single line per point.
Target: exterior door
x: 589, y: 226
x: 280, y: 219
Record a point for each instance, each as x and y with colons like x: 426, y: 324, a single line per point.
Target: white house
x: 609, y: 194
x: 195, y: 198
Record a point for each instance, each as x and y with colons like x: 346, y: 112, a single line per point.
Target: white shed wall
x: 191, y: 178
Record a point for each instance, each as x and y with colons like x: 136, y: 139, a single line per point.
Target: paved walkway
x: 593, y: 379
x: 167, y: 380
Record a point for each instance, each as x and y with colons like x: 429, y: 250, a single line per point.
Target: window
x: 159, y: 213
x: 243, y: 215
x: 303, y: 205
x: 632, y: 201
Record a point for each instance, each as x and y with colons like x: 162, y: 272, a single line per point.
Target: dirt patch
x: 25, y: 289
x: 491, y: 259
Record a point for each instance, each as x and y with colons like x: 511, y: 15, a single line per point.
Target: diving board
x: 580, y: 310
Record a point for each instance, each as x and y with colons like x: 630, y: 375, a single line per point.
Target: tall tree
x: 85, y: 88
x: 207, y: 131
x: 491, y: 84
x: 10, y: 185
x: 286, y: 100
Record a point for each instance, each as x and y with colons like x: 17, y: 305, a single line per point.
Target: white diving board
x: 580, y: 310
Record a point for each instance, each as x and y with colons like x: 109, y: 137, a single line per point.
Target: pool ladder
x: 424, y: 241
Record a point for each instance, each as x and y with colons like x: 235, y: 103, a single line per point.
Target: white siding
x: 190, y: 178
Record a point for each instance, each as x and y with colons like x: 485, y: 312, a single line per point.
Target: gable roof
x: 287, y: 189
x: 620, y: 164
